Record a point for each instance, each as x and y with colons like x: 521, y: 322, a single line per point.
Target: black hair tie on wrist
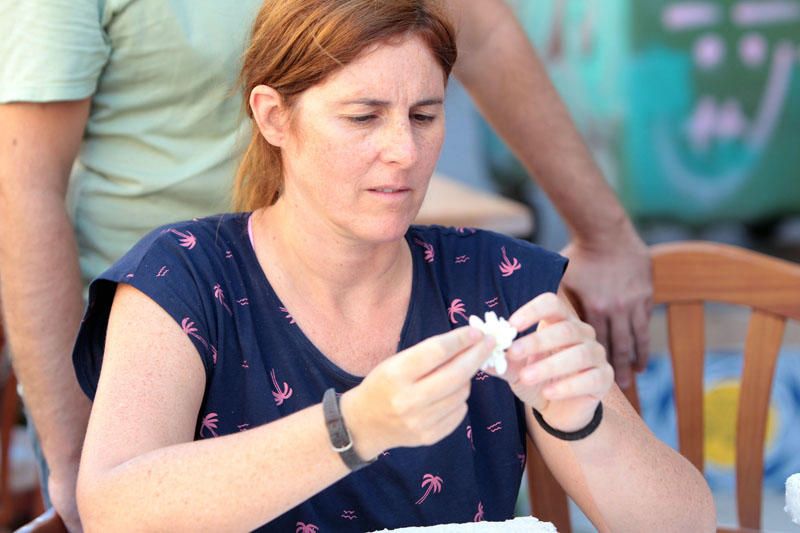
x: 571, y: 435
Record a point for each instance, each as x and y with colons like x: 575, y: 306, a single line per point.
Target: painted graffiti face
x: 729, y: 69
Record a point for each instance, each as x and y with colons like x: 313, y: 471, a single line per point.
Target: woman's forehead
x: 402, y: 68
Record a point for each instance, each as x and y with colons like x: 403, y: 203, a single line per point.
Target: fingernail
x: 489, y: 341
x: 475, y: 334
x: 515, y: 350
x: 515, y: 321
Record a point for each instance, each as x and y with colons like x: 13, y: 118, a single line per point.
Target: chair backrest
x: 8, y: 411
x: 685, y: 275
x: 48, y: 522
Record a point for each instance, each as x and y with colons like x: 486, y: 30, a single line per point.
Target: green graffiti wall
x: 692, y: 109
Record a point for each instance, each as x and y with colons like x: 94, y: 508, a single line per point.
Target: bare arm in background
x: 609, y: 264
x: 40, y: 280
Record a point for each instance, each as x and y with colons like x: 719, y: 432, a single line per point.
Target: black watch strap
x: 341, y: 442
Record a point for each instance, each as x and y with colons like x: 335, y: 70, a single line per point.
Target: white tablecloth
x: 793, y: 497
x: 526, y: 524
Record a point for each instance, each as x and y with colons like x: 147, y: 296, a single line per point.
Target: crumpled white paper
x: 793, y: 498
x: 503, y: 333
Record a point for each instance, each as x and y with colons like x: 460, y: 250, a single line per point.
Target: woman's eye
x: 422, y: 118
x: 361, y: 119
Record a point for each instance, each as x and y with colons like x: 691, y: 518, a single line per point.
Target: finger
x: 433, y: 352
x: 595, y: 382
x: 553, y: 337
x: 547, y: 306
x: 621, y: 348
x: 640, y: 320
x: 448, y: 378
x: 576, y: 359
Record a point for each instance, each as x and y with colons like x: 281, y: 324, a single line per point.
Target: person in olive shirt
x: 122, y: 115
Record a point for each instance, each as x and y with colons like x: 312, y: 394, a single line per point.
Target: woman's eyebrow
x: 373, y: 102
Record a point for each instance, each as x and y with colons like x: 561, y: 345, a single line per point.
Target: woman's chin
x: 383, y: 230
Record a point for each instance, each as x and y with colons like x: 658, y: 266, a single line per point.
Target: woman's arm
x: 140, y: 467
x: 622, y: 477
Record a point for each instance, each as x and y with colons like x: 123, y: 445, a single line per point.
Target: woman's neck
x: 310, y: 255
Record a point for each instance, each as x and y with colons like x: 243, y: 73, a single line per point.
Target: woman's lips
x: 390, y: 192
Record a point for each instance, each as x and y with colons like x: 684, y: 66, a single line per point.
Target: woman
x: 334, y: 388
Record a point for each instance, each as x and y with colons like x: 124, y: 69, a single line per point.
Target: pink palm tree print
x: 187, y: 239
x: 280, y: 394
x: 506, y: 266
x: 209, y: 424
x: 289, y: 316
x: 433, y: 484
x: 457, y: 309
x: 479, y: 515
x: 429, y: 254
x: 188, y: 328
x: 469, y: 437
x: 305, y: 528
x: 220, y: 296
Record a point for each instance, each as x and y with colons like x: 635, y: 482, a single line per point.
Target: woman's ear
x: 270, y: 113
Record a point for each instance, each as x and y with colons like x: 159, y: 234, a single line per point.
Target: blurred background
x: 692, y: 110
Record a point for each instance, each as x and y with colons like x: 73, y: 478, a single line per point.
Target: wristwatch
x: 341, y: 441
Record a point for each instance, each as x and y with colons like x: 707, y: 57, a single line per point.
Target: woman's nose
x: 400, y: 145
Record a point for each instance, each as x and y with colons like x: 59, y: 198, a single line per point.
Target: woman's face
x: 364, y: 143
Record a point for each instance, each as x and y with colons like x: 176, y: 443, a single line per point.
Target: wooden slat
x: 764, y: 337
x: 548, y: 500
x: 687, y: 346
x: 692, y: 271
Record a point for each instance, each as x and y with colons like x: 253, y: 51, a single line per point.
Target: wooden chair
x: 14, y: 506
x: 685, y: 275
x: 47, y: 522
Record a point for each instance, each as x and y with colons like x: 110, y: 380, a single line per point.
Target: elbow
x: 697, y: 505
x: 93, y: 501
x: 87, y: 505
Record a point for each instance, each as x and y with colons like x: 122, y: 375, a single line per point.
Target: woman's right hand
x: 418, y: 396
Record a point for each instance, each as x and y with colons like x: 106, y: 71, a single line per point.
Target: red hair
x: 296, y: 44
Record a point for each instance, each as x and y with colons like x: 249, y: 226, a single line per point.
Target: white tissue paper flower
x: 793, y: 498
x: 503, y: 334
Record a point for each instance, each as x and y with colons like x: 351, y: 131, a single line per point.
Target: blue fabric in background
x: 722, y: 375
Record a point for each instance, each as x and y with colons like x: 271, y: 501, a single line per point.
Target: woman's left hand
x: 560, y: 369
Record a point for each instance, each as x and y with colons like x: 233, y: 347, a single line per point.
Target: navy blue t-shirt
x: 260, y: 366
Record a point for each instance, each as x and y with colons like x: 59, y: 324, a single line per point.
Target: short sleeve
x: 169, y: 268
x: 51, y: 50
x: 526, y: 270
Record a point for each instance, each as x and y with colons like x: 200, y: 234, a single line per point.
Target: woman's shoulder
x: 198, y: 241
